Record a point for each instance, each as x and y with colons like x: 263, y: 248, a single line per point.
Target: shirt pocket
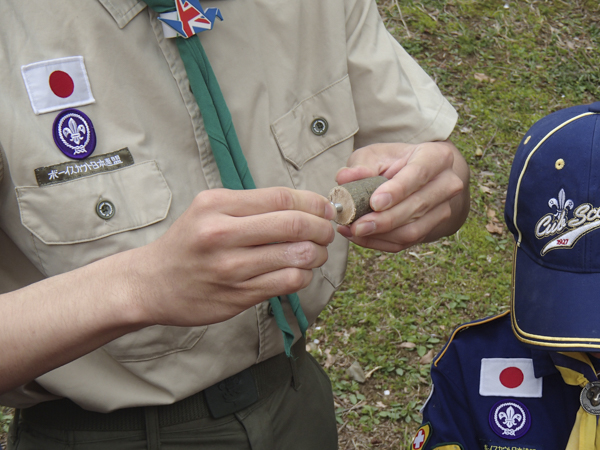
x: 66, y: 213
x: 313, y: 158
x: 317, y: 124
x: 69, y: 233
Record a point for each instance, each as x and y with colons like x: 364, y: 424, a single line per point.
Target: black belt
x: 226, y: 397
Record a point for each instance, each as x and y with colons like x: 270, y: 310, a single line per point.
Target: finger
x: 281, y: 282
x: 438, y: 192
x: 375, y: 159
x: 422, y: 168
x: 259, y: 201
x: 251, y: 262
x: 404, y: 236
x: 281, y: 226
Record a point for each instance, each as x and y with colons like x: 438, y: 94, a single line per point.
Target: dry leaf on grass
x: 495, y: 228
x: 408, y: 345
x: 356, y: 372
x: 483, y: 77
x: 427, y: 357
x: 330, y: 361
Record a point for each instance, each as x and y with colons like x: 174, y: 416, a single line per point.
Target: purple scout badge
x: 74, y: 134
x: 510, y: 419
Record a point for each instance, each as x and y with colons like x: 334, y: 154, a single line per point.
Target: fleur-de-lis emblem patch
x: 74, y: 134
x: 562, y: 206
x: 510, y: 419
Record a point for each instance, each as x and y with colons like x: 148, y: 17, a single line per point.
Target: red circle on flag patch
x: 511, y: 377
x: 61, y: 83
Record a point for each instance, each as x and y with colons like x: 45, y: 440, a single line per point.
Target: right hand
x: 229, y: 251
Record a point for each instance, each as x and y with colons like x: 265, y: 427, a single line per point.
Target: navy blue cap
x: 553, y: 210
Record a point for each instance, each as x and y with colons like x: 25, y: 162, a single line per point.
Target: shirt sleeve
x: 447, y: 412
x: 396, y: 101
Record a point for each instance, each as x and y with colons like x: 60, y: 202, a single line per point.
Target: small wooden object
x: 355, y: 198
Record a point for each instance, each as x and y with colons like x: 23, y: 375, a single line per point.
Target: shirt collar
x: 123, y: 11
x: 542, y: 363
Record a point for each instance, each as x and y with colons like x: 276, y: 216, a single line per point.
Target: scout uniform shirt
x: 281, y: 66
x: 491, y: 392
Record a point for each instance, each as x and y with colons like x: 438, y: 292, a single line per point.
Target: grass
x: 503, y: 65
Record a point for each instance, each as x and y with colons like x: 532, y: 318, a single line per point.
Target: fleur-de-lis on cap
x: 560, y: 204
x: 75, y: 131
x: 510, y: 417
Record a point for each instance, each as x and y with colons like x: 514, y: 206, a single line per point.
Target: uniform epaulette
x: 464, y: 326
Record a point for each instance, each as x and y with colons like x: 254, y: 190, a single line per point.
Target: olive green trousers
x: 295, y: 416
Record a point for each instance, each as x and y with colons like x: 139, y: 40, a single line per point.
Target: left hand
x: 426, y: 197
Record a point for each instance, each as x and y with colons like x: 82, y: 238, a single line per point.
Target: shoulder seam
x: 463, y: 327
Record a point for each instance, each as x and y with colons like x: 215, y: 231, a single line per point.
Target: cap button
x: 595, y: 107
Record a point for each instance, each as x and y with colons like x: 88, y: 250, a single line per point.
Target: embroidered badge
x: 585, y: 219
x: 59, y: 173
x: 421, y: 437
x: 189, y: 18
x: 509, y: 377
x: 496, y: 446
x: 74, y: 134
x: 510, y: 419
x: 57, y: 84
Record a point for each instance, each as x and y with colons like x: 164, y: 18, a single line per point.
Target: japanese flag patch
x: 509, y: 377
x: 57, y: 84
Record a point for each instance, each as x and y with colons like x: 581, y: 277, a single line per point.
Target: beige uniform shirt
x: 280, y: 64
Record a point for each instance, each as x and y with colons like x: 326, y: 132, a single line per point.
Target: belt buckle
x: 231, y: 395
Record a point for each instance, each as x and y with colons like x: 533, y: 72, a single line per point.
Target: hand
x: 231, y: 250
x: 426, y: 197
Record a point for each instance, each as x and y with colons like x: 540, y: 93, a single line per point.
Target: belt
x: 226, y: 397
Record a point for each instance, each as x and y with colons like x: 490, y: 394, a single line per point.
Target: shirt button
x: 105, y: 209
x: 319, y: 126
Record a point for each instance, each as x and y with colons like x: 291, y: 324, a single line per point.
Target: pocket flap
x: 294, y: 130
x: 65, y: 213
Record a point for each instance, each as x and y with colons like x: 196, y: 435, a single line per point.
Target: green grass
x: 503, y: 68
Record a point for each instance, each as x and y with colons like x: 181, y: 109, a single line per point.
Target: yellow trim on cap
x: 536, y: 339
x: 527, y: 163
x: 463, y: 327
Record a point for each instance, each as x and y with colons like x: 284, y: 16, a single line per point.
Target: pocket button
x: 319, y: 126
x: 105, y: 209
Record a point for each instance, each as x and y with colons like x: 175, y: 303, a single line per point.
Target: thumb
x: 348, y: 174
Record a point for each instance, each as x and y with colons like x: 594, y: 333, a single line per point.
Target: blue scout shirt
x: 492, y: 392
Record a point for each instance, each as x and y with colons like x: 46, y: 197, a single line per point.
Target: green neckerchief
x: 226, y: 148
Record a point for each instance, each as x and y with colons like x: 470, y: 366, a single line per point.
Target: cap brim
x: 555, y: 309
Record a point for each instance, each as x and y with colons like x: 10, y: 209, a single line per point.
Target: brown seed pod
x: 355, y: 198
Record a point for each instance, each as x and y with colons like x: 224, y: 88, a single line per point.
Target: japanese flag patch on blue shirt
x: 512, y: 377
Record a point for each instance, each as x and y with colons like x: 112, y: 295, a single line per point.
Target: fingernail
x: 364, y: 229
x: 330, y: 211
x: 344, y: 231
x: 380, y: 202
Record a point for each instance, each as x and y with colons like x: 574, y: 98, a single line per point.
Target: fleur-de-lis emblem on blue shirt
x: 560, y: 203
x: 511, y: 418
x: 73, y: 131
